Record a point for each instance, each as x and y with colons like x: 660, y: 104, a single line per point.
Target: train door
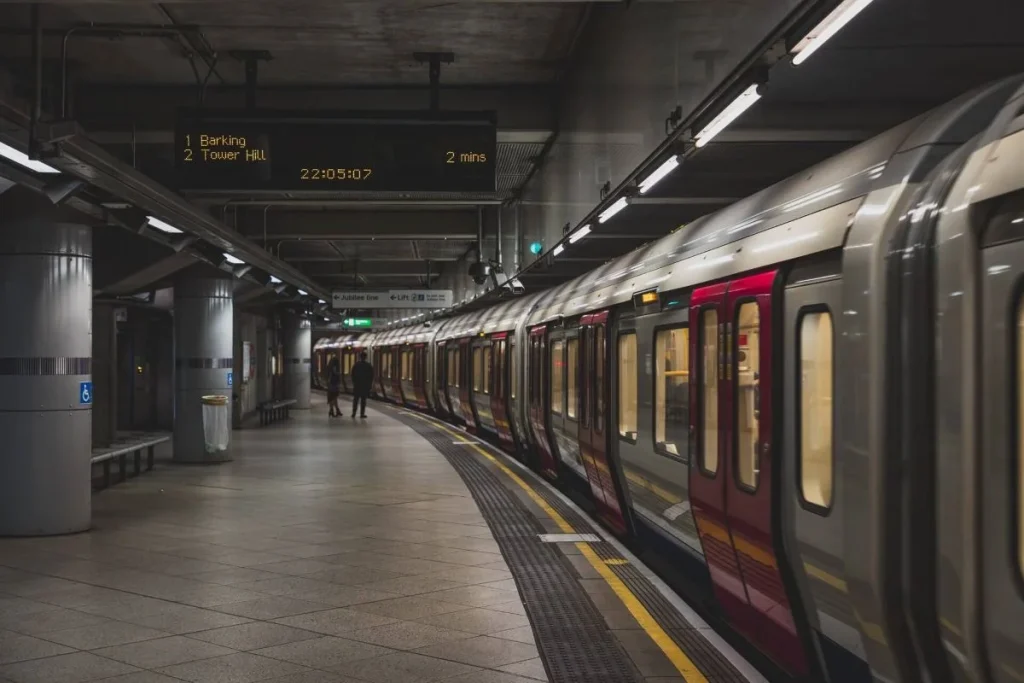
x: 999, y: 498
x: 428, y: 361
x: 733, y: 486
x: 514, y: 420
x: 537, y: 400
x: 499, y: 389
x: 465, y: 384
x: 594, y: 417
x: 441, y: 379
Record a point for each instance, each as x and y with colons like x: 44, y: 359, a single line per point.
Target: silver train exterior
x: 813, y: 396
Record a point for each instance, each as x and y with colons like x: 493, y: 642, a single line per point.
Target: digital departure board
x: 322, y: 151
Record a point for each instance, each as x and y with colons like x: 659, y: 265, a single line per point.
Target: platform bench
x: 271, y: 411
x: 120, y: 451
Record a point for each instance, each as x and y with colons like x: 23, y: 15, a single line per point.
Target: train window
x: 709, y: 391
x: 557, y: 375
x: 478, y: 367
x: 599, y: 353
x: 816, y: 463
x: 513, y: 379
x: 748, y: 394
x: 487, y: 381
x: 672, y: 391
x: 572, y: 385
x: 628, y: 379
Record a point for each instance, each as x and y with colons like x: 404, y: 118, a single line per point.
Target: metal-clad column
x: 203, y: 359
x: 45, y: 368
x: 298, y: 347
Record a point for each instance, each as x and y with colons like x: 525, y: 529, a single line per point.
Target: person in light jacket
x: 362, y: 381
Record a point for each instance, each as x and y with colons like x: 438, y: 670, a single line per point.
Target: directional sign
x: 420, y: 298
x: 395, y: 298
x: 358, y: 322
x: 358, y: 299
x: 85, y: 393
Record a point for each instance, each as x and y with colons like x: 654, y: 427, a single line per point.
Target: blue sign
x: 85, y: 393
x: 230, y: 383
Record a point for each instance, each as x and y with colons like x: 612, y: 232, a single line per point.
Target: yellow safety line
x: 687, y: 669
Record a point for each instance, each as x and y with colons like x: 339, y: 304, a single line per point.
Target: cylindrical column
x: 203, y: 359
x: 298, y: 347
x: 45, y: 368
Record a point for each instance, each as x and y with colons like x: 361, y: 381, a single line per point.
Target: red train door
x: 594, y: 417
x: 466, y: 361
x: 731, y: 486
x: 499, y: 391
x: 537, y: 399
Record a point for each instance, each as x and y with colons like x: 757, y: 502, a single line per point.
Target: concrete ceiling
x: 125, y: 88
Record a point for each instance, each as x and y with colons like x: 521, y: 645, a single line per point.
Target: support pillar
x: 45, y: 368
x: 203, y: 359
x: 298, y: 348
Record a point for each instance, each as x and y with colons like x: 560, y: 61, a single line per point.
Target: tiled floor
x: 327, y: 552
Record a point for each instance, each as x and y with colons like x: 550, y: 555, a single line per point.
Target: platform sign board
x: 323, y: 151
x: 358, y: 322
x: 85, y: 393
x: 395, y: 298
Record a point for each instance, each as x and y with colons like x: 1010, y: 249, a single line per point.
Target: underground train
x: 807, y: 404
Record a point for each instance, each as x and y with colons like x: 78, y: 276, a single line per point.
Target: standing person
x: 333, y: 387
x: 362, y: 380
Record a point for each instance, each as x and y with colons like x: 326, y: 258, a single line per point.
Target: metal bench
x: 121, y: 449
x: 271, y: 411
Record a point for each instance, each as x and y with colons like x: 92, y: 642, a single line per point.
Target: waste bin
x: 216, y: 423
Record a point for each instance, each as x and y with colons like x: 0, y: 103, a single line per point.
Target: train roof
x: 804, y: 214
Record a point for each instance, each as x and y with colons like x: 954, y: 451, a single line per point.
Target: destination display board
x: 323, y: 151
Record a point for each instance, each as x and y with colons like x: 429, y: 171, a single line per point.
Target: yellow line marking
x: 687, y: 669
x: 616, y: 562
x: 823, y: 576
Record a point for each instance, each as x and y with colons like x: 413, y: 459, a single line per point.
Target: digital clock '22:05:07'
x: 356, y: 174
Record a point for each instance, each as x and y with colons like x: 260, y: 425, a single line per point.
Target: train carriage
x: 807, y: 402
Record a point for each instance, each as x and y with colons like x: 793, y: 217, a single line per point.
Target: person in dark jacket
x: 333, y: 388
x: 362, y: 380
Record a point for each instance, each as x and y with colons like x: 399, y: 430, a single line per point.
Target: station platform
x: 388, y: 550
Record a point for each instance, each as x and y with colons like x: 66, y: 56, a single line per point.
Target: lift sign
x: 85, y: 393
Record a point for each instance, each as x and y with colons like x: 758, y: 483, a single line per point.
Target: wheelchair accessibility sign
x: 85, y: 393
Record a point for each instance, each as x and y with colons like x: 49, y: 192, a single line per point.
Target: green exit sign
x: 358, y: 322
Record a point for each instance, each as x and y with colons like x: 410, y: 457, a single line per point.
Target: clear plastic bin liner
x: 216, y: 423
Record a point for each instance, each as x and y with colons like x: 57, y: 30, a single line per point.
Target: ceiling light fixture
x: 274, y: 280
x: 233, y: 260
x: 20, y: 158
x: 743, y: 102
x: 162, y: 226
x: 322, y: 301
x: 620, y: 204
x: 558, y: 250
x: 829, y: 26
x: 303, y: 292
x: 579, y: 234
x: 671, y: 164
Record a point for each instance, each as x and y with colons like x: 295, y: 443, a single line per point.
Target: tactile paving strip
x: 712, y: 663
x: 572, y: 637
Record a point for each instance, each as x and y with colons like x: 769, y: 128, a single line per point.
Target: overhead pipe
x: 37, y: 86
x: 497, y: 248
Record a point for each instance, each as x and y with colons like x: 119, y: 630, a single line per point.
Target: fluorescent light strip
x: 743, y: 102
x: 233, y: 260
x: 671, y: 164
x: 162, y: 226
x: 615, y: 208
x: 579, y: 234
x: 829, y: 26
x: 20, y: 158
x: 303, y: 292
x: 275, y: 280
x: 558, y: 250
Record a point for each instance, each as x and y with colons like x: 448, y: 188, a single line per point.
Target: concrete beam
x: 359, y: 225
x: 141, y: 279
x: 392, y: 268
x: 107, y: 107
